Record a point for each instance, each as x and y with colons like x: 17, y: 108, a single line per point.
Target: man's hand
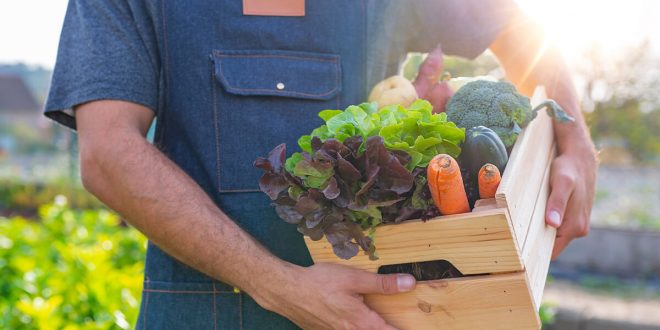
x: 572, y: 184
x: 329, y: 296
x: 428, y: 84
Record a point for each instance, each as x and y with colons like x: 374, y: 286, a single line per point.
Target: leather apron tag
x: 274, y: 7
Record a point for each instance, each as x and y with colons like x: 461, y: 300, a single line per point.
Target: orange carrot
x: 489, y: 180
x: 446, y: 185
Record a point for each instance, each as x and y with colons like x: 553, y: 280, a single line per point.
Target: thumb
x: 561, y: 185
x: 385, y: 284
x: 429, y: 72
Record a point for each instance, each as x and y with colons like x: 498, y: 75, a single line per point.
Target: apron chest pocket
x: 264, y: 98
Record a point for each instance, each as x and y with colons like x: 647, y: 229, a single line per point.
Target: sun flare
x: 611, y: 26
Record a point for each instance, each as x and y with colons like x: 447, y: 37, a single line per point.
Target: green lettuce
x: 415, y: 130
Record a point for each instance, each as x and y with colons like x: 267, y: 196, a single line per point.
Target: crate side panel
x: 523, y: 176
x: 537, y: 249
x: 480, y: 302
x: 475, y: 243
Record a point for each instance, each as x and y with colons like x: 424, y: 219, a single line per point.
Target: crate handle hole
x: 424, y: 271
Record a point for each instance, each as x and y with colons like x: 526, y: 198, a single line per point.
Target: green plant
x: 75, y: 269
x: 547, y: 314
x: 26, y: 197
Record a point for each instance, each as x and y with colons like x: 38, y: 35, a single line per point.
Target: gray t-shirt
x: 110, y: 49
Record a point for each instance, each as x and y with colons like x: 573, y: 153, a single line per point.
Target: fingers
x: 561, y: 242
x: 562, y: 185
x: 569, y: 203
x: 383, y: 284
x: 430, y: 71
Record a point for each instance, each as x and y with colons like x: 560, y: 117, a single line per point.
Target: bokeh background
x: 67, y: 262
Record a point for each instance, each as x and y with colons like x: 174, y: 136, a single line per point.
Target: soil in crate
x: 424, y: 271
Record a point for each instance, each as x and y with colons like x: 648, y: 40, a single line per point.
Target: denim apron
x: 233, y: 88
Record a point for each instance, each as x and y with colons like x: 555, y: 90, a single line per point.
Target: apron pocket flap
x: 314, y: 76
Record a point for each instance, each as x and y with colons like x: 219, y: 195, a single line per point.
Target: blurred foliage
x: 485, y: 64
x: 72, y: 270
x: 624, y: 121
x: 621, y: 99
x: 27, y: 139
x: 547, y: 314
x: 25, y: 197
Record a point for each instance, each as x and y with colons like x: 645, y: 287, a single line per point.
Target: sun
x: 576, y: 26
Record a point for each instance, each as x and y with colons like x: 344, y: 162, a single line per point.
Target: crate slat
x: 521, y: 179
x: 537, y: 249
x: 481, y: 302
x: 475, y: 243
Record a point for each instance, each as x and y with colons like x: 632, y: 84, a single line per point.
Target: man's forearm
x: 138, y: 181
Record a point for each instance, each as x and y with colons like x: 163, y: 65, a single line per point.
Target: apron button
x: 280, y: 86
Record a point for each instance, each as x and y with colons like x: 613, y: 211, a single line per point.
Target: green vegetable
x: 416, y: 130
x: 482, y: 145
x: 498, y: 106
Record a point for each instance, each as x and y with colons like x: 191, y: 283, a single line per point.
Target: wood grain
x: 485, y: 204
x: 537, y: 248
x: 475, y: 243
x: 480, y: 302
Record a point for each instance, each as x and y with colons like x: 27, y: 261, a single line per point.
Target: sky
x: 29, y: 29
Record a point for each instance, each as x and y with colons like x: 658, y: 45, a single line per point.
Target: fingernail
x: 405, y: 282
x: 554, y: 218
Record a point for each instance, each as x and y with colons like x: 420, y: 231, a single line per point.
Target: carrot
x: 489, y: 180
x: 446, y: 185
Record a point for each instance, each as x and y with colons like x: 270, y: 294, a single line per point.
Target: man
x: 226, y: 87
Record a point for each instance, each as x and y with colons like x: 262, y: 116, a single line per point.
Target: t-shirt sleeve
x: 107, y: 50
x: 462, y: 27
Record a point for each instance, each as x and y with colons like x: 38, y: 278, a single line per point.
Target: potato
x: 393, y: 90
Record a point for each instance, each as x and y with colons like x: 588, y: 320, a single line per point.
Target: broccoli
x: 498, y: 106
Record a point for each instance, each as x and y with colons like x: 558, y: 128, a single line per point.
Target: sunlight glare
x: 609, y: 25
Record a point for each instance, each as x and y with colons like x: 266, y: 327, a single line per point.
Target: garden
x: 66, y: 261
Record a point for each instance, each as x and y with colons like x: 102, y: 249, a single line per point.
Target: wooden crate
x: 503, y: 242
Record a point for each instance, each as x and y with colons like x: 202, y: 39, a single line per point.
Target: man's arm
x: 528, y: 62
x: 134, y: 178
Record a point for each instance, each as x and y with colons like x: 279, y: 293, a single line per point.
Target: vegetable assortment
x: 366, y: 165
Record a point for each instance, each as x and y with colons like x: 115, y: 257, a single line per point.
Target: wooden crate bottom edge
x: 499, y: 301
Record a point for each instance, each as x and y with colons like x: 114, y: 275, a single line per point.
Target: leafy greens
x: 416, y: 130
x: 363, y: 167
